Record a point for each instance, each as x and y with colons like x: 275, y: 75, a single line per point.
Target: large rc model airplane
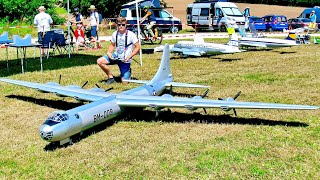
x: 61, y: 125
x: 200, y: 48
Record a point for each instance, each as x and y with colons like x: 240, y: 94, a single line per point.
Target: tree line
x: 302, y: 3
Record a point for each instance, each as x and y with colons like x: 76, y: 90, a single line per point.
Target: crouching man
x: 124, y: 45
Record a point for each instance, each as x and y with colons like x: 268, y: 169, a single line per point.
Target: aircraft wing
x: 168, y: 84
x: 194, y: 103
x: 74, y: 91
x: 186, y: 51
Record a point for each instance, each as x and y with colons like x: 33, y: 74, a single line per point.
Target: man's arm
x: 110, y: 50
x: 134, y: 52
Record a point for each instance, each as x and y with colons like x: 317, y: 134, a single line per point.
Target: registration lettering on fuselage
x: 103, y: 115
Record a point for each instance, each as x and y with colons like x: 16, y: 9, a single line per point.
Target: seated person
x: 125, y: 45
x: 79, y: 37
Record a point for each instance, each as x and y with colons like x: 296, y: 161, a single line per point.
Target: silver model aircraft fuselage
x: 89, y: 115
x: 266, y: 42
x: 199, y: 48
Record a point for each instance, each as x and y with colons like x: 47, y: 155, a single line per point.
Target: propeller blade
x: 237, y: 95
x: 60, y: 79
x: 84, y: 84
x: 205, y: 94
x: 234, y: 111
x: 109, y: 89
x: 171, y: 90
x: 97, y: 86
x: 205, y: 111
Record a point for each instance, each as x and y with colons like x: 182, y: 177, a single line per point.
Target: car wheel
x: 269, y: 29
x: 223, y: 28
x: 174, y: 29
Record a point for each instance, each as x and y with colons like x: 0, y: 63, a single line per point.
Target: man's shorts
x: 40, y: 34
x: 94, y: 31
x: 312, y: 25
x: 125, y: 72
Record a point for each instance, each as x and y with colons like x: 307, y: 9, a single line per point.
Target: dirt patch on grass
x: 179, y: 9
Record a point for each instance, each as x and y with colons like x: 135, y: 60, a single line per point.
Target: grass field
x: 262, y: 144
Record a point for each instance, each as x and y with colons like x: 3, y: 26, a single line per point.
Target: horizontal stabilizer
x: 176, y: 84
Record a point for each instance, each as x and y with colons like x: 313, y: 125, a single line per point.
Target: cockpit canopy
x: 58, y: 116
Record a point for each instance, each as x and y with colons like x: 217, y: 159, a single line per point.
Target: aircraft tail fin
x: 163, y: 72
x: 234, y: 40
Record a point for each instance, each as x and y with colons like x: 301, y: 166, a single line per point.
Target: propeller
x: 203, y: 96
x: 235, y: 97
x: 109, y: 89
x: 106, y: 89
x: 232, y: 99
x: 84, y: 84
x: 171, y: 89
x: 60, y: 79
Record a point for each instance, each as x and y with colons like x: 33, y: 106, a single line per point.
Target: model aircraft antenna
x: 97, y: 85
x: 60, y: 79
x: 84, y: 84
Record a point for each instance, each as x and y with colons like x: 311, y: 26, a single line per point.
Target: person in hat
x: 94, y: 23
x: 150, y: 18
x: 312, y: 25
x: 124, y: 45
x: 42, y: 20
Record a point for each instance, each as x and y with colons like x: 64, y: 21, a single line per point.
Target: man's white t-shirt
x: 43, y: 21
x: 121, y: 51
x: 94, y: 17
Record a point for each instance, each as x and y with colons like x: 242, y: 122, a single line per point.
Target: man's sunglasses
x: 121, y: 24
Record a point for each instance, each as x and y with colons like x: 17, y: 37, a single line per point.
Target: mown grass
x: 262, y: 144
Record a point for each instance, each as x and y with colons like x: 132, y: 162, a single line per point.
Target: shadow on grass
x: 52, y: 63
x: 140, y: 114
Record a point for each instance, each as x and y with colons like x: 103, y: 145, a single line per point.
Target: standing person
x: 150, y: 18
x: 78, y: 16
x: 126, y: 45
x: 312, y: 25
x: 42, y: 20
x: 94, y: 23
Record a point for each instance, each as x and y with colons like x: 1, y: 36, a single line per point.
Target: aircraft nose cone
x: 46, y: 132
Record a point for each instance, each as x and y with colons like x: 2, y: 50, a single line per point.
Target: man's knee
x: 102, y: 61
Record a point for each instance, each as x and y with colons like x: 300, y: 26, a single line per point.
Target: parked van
x: 216, y: 15
x: 306, y: 14
x: 164, y: 19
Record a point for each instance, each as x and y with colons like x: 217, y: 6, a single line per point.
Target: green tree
x: 18, y: 11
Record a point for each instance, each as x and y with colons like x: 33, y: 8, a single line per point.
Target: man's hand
x: 109, y: 54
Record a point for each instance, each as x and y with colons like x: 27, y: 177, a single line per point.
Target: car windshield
x: 258, y: 19
x: 232, y: 11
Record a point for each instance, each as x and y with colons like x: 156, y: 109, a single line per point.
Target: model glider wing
x: 70, y: 91
x: 194, y: 103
